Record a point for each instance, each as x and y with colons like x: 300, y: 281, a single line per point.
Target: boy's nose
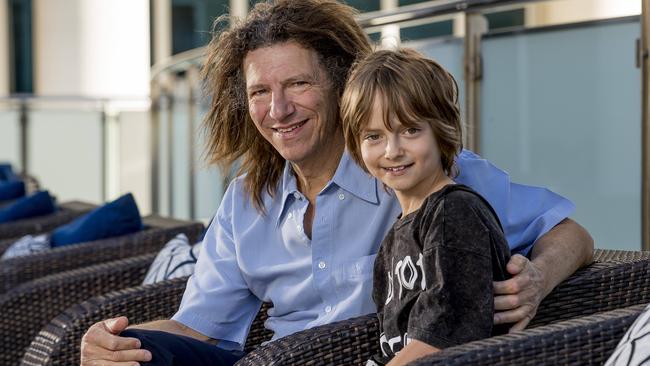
x: 281, y: 106
x: 393, y: 149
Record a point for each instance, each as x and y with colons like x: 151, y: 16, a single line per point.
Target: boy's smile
x: 405, y: 158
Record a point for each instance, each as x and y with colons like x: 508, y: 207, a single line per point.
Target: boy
x: 434, y: 270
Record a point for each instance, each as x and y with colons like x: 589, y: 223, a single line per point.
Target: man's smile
x: 288, y: 129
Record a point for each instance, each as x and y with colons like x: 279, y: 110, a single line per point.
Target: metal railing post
x: 193, y: 80
x: 644, y: 62
x: 24, y: 136
x: 155, y: 146
x: 475, y: 27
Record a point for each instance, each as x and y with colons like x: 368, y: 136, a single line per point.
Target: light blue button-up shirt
x: 248, y: 258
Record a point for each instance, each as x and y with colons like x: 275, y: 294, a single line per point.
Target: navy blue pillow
x: 7, y: 173
x: 116, y: 218
x: 10, y: 190
x: 38, y: 204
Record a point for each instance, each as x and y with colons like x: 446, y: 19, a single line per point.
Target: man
x: 300, y: 226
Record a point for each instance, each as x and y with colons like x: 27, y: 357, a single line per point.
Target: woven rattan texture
x: 617, y: 279
x: 26, y: 309
x: 587, y: 341
x: 18, y: 270
x: 349, y: 342
x: 9, y: 231
x: 58, y: 343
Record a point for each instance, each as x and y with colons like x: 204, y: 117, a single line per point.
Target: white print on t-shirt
x: 394, y: 344
x: 407, y: 275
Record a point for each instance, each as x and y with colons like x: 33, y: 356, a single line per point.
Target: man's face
x: 291, y: 101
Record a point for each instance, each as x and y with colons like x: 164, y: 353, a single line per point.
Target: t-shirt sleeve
x: 457, y: 303
x: 526, y: 212
x: 217, y: 301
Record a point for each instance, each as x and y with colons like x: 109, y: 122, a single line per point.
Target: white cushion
x: 176, y: 259
x: 27, y: 245
x: 634, y: 347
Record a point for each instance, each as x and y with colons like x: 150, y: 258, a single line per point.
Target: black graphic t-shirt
x: 434, y: 271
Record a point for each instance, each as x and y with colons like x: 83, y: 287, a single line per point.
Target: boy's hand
x: 516, y: 300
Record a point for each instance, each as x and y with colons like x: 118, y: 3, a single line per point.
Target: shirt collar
x: 353, y: 179
x: 348, y: 176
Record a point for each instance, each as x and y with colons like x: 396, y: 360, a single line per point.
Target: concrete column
x: 558, y: 12
x: 390, y: 34
x: 162, y: 29
x: 5, y: 50
x: 238, y: 8
x: 91, y: 47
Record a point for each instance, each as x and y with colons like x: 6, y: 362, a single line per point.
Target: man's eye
x: 300, y: 83
x: 256, y: 93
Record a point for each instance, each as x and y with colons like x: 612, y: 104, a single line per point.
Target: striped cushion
x: 176, y: 259
x: 634, y: 348
x: 27, y: 245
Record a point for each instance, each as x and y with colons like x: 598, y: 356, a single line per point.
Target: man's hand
x: 101, y: 345
x: 516, y: 300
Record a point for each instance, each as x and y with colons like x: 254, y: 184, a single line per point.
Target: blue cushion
x: 38, y: 204
x: 10, y: 190
x: 7, y: 173
x: 116, y: 218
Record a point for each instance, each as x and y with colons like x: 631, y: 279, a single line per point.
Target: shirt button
x: 296, y: 195
x: 341, y: 196
x: 299, y: 227
x: 289, y: 215
x: 322, y: 265
x: 328, y: 309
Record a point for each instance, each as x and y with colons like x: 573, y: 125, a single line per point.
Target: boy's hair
x: 326, y: 27
x: 413, y: 89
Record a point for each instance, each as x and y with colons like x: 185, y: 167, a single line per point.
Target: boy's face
x: 406, y: 159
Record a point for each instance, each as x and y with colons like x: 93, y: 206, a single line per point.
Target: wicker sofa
x: 157, y: 232
x: 27, y: 308
x: 588, y: 340
x: 58, y: 342
x: 602, y: 286
x: 40, y: 224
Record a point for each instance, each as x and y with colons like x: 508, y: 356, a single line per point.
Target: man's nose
x: 281, y: 106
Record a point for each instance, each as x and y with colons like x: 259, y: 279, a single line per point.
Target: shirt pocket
x: 355, y: 272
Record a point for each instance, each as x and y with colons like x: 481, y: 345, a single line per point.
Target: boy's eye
x: 412, y: 131
x: 371, y: 137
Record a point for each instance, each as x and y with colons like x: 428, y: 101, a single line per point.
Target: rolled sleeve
x: 526, y: 212
x: 217, y: 301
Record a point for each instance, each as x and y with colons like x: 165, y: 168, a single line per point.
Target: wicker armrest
x: 26, y: 309
x: 58, y: 342
x: 18, y: 270
x: 602, y: 286
x: 40, y: 224
x: 348, y: 342
x: 587, y: 340
x: 605, y: 285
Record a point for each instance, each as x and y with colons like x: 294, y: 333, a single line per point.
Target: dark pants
x: 171, y: 349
